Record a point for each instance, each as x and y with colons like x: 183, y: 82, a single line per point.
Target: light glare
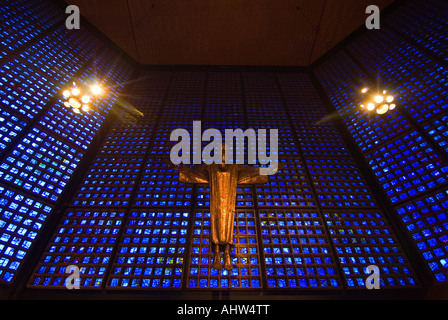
x: 96, y: 89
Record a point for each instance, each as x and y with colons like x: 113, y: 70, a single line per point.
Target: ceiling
x: 226, y: 32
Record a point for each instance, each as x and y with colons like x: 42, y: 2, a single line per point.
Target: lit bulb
x: 370, y: 106
x: 392, y: 106
x: 85, y: 99
x: 379, y: 99
x: 75, y: 91
x: 364, y: 90
x: 67, y: 104
x: 96, y: 89
x: 390, y: 99
x: 362, y: 106
x: 85, y: 107
x: 76, y: 110
x: 66, y: 93
x: 383, y: 109
x: 74, y: 103
x: 384, y: 91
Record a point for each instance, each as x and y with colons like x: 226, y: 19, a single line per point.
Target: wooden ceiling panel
x: 113, y: 19
x: 340, y: 19
x: 226, y: 32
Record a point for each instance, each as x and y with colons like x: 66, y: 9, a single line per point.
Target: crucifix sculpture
x: 222, y: 180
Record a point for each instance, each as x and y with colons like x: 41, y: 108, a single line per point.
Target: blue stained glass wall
x: 405, y: 149
x: 131, y: 225
x: 289, y: 234
x: 42, y: 143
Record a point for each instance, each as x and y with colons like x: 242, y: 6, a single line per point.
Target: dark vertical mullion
x: 313, y: 190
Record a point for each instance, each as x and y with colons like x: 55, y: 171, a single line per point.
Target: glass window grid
x: 128, y: 140
x: 424, y: 23
x: 10, y: 127
x: 53, y: 153
x: 21, y: 220
x: 161, y: 145
x: 289, y: 187
x: 181, y: 111
x: 24, y: 91
x: 84, y: 238
x: 159, y: 186
x: 25, y: 105
x: 167, y: 124
x: 420, y: 93
x: 244, y: 196
x: 364, y: 238
x: 110, y: 181
x: 40, y: 164
x: 438, y: 129
x: 152, y: 251
x: 406, y: 167
x: 23, y: 22
x: 367, y: 130
x: 320, y: 140
x: 296, y: 250
x: 338, y: 183
x: 423, y: 96
x: 245, y: 257
x: 187, y: 81
x: 426, y: 222
x: 287, y: 146
x: 57, y: 56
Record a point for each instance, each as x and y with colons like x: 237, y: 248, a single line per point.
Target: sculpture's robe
x: 223, y: 183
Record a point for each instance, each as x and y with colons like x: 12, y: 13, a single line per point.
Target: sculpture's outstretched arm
x: 250, y: 175
x: 197, y: 174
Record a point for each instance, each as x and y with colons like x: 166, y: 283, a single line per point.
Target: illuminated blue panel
x: 21, y: 221
x: 405, y: 163
x: 246, y: 271
x: 367, y: 129
x: 363, y: 238
x: 407, y: 166
x: 40, y: 164
x: 422, y: 94
x: 427, y: 223
x: 423, y: 23
x: 24, y: 21
x: 321, y: 141
x: 438, y: 129
x: 109, y: 182
x: 44, y: 161
x: 289, y: 187
x: 338, y: 183
x: 84, y: 238
x: 160, y: 186
x: 244, y: 196
x: 152, y: 251
x: 296, y: 250
x: 128, y: 140
x: 28, y: 84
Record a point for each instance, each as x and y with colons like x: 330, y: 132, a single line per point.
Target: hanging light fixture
x: 378, y: 101
x: 80, y: 99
